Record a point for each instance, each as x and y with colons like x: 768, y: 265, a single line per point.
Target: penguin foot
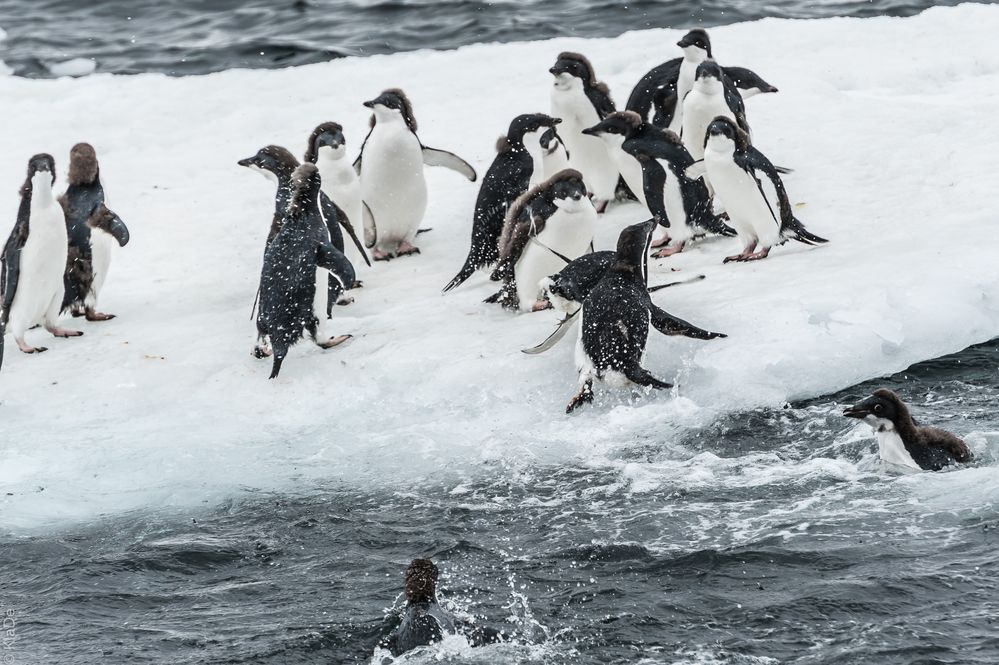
x: 669, y: 251
x: 23, y: 346
x: 357, y: 284
x: 93, y: 315
x: 63, y: 332
x: 334, y: 341
x: 583, y: 396
x: 762, y: 254
x: 540, y: 306
x: 405, y: 249
x: 662, y: 242
x: 261, y: 352
x: 343, y: 300
x: 746, y: 253
x: 377, y: 255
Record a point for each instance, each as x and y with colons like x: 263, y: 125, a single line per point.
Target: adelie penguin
x: 581, y: 101
x: 93, y: 230
x: 288, y: 278
x: 546, y: 226
x: 34, y: 260
x: 712, y: 95
x: 616, y: 317
x: 662, y: 89
x: 901, y: 441
x: 519, y: 164
x: 393, y: 183
x: 734, y: 167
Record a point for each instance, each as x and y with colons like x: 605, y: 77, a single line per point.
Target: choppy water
x: 769, y: 537
x: 197, y: 36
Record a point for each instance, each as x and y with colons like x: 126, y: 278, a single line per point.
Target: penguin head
x: 421, y: 581
x: 568, y: 191
x: 273, y: 162
x: 326, y: 138
x: 41, y: 173
x: 616, y: 127
x: 709, y: 76
x: 633, y: 245
x: 305, y: 183
x: 530, y: 130
x: 882, y: 410
x: 696, y: 45
x: 724, y: 135
x: 392, y: 106
x: 572, y: 71
x: 550, y: 141
x: 83, y: 166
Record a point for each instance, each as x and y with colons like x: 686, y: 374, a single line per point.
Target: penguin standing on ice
x: 92, y: 229
x: 519, y: 162
x: 34, y: 260
x: 712, y: 95
x: 393, y: 184
x: 546, y: 226
x: 903, y: 443
x: 733, y: 165
x: 616, y: 316
x: 288, y: 278
x: 581, y: 101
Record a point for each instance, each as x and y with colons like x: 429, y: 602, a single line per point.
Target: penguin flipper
x: 332, y: 259
x: 107, y: 220
x: 696, y: 170
x: 370, y: 230
x: 795, y: 230
x: 638, y: 374
x: 654, y: 184
x: 341, y: 217
x: 668, y: 324
x: 435, y: 157
x: 10, y: 259
x: 563, y: 327
x: 747, y: 79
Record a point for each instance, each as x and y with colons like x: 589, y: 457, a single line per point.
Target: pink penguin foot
x: 669, y: 251
x: 63, y: 332
x: 405, y: 249
x: 26, y: 348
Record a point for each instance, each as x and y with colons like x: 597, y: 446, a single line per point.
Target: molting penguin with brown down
x: 92, y: 229
x: 901, y: 441
x: 393, y: 184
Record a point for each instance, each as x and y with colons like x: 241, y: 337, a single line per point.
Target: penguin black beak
x: 553, y: 70
x: 370, y: 103
x: 246, y: 162
x: 859, y: 411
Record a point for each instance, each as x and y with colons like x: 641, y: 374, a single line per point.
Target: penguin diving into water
x: 393, y: 183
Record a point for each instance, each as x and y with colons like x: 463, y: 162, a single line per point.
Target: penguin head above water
x: 391, y: 106
x: 573, y: 71
x: 696, y: 45
x: 616, y: 127
x: 327, y: 139
x: 709, y: 77
x: 273, y: 162
x: 724, y: 135
x: 83, y: 166
x: 883, y: 410
x: 421, y: 581
x: 41, y: 173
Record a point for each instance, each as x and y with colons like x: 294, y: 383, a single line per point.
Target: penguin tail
x: 795, y: 230
x: 466, y: 271
x: 783, y: 169
x: 640, y: 375
x: 276, y: 368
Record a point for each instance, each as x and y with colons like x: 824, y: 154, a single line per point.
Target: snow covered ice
x: 886, y: 124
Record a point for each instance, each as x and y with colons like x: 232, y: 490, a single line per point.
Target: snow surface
x: 889, y: 129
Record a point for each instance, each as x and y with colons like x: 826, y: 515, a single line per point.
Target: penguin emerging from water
x: 34, y: 260
x: 92, y: 229
x: 393, y: 184
x: 545, y: 227
x: 901, y: 441
x: 734, y: 167
x: 288, y: 279
x: 424, y: 621
x: 616, y: 316
x: 581, y: 101
x: 663, y: 88
x: 712, y: 95
x: 519, y: 163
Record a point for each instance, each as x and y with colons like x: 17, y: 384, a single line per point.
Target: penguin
x: 616, y: 316
x: 680, y: 204
x: 92, y: 229
x: 519, y: 162
x: 424, y: 621
x: 277, y: 164
x: 663, y: 88
x: 904, y: 443
x: 393, y: 184
x: 288, y: 278
x: 581, y: 101
x: 613, y: 131
x: 712, y: 95
x: 734, y: 165
x: 545, y: 227
x: 327, y: 149
x: 34, y: 260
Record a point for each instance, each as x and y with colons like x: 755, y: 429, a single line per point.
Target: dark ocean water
x: 798, y: 549
x: 197, y: 36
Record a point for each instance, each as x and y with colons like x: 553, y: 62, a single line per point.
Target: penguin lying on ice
x: 616, y: 316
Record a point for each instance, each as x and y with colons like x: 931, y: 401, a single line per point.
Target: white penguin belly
x: 679, y: 228
x: 631, y: 171
x: 569, y: 234
x: 587, y: 154
x: 42, y: 264
x: 749, y: 212
x: 699, y: 109
x: 553, y: 162
x: 100, y: 248
x: 341, y: 184
x: 684, y: 83
x: 393, y: 184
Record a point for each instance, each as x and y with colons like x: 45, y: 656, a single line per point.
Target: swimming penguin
x: 733, y: 165
x: 288, y: 279
x: 616, y: 316
x: 519, y: 161
x: 424, y: 621
x: 328, y: 151
x: 581, y: 101
x: 34, y: 260
x: 901, y: 441
x: 712, y: 95
x: 663, y: 88
x: 92, y: 229
x: 679, y: 203
x: 393, y: 184
x: 545, y: 227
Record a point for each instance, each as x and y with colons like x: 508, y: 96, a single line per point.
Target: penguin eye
x: 878, y: 408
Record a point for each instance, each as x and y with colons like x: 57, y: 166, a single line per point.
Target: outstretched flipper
x: 435, y: 157
x: 108, y: 221
x: 563, y: 327
x: 668, y: 324
x: 640, y: 375
x: 790, y: 227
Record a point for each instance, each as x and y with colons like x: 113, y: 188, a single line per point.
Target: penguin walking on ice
x: 34, y: 260
x: 581, y: 101
x: 734, y: 167
x: 519, y: 164
x: 546, y: 226
x: 288, y: 279
x: 660, y: 92
x: 616, y: 316
x: 903, y: 443
x: 713, y: 94
x: 393, y: 183
x: 92, y: 229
